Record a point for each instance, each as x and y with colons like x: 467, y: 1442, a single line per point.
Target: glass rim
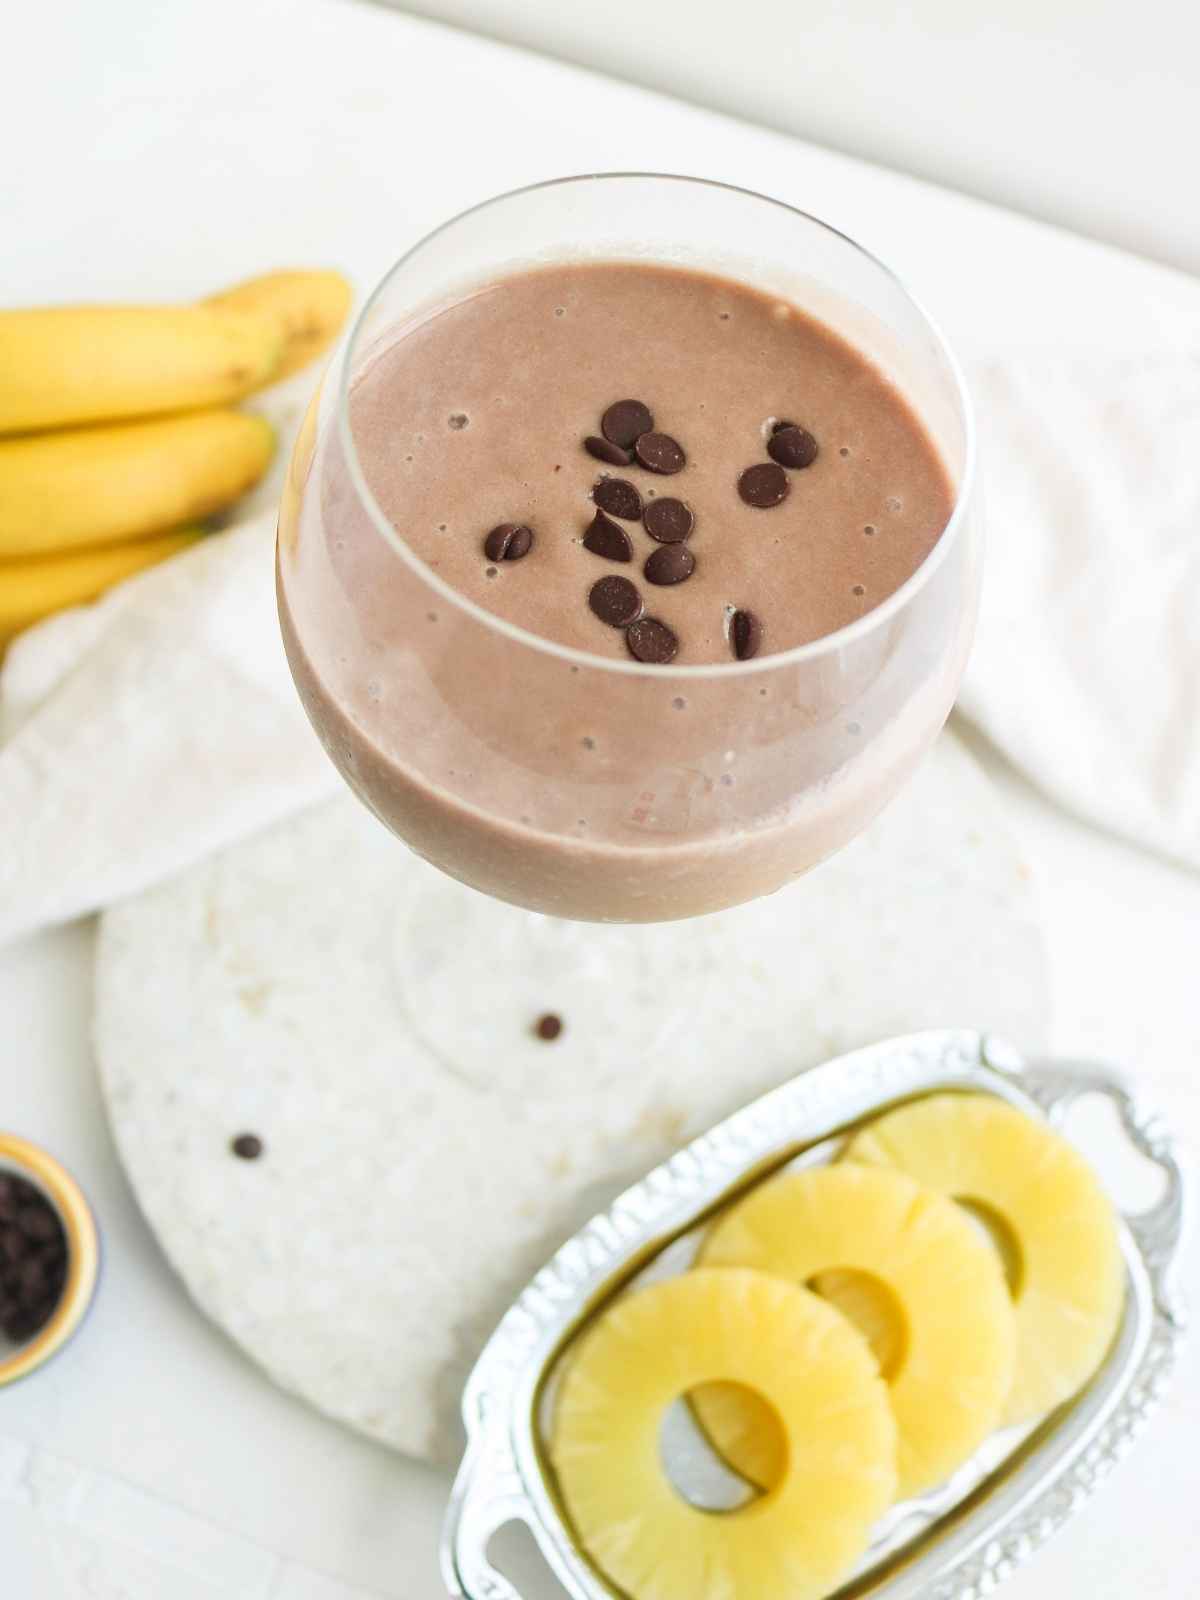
x: 861, y: 628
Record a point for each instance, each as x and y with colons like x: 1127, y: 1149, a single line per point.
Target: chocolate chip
x: 248, y: 1146
x: 669, y: 521
x: 651, y: 641
x: 658, y: 452
x: 670, y: 563
x: 615, y: 601
x: 764, y: 485
x: 22, y: 1325
x: 605, y: 538
x: 548, y: 1027
x: 33, y: 1252
x: 745, y: 634
x: 603, y: 450
x: 508, y: 542
x: 625, y: 421
x: 618, y: 497
x: 15, y: 1194
x: 31, y: 1280
x: 792, y: 446
x: 38, y: 1222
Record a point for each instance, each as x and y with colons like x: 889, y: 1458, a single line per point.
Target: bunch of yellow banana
x: 117, y: 433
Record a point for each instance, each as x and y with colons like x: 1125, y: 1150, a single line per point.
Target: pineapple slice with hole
x: 913, y: 1271
x: 655, y: 1345
x: 1047, y: 1211
x: 747, y: 1428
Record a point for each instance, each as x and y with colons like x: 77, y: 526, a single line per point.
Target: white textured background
x: 1080, y: 112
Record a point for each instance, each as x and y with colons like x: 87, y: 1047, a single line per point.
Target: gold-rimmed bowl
x: 24, y: 1160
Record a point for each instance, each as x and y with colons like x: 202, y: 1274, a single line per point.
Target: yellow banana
x: 73, y: 364
x: 31, y: 590
x: 308, y: 309
x: 296, y: 476
x: 88, y: 486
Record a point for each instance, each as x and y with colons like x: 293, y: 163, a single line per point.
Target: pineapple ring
x: 1070, y: 1291
x: 953, y: 1367
x: 653, y: 1346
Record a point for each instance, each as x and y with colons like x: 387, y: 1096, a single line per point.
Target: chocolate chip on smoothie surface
x: 625, y: 421
x: 548, y: 1027
x: 247, y: 1146
x: 615, y: 601
x: 668, y: 520
x: 605, y: 538
x: 763, y: 485
x: 619, y: 498
x: 614, y: 455
x: 658, y: 452
x: 745, y: 634
x: 508, y: 542
x: 792, y: 446
x: 651, y: 641
x: 33, y: 1258
x: 670, y: 563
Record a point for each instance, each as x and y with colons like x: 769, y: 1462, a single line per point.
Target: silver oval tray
x: 955, y: 1543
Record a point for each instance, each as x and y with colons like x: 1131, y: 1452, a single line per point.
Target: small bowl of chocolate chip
x: 49, y: 1257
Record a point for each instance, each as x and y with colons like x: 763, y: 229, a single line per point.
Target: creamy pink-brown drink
x: 553, y: 588
x: 480, y: 416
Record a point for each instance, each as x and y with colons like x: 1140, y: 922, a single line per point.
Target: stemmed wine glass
x: 638, y: 793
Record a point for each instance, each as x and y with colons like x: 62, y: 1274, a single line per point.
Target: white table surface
x: 191, y: 145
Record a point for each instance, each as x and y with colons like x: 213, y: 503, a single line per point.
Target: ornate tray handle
x: 1160, y: 1231
x: 484, y: 1499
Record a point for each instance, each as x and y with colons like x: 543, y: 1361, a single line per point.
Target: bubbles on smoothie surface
x: 457, y: 421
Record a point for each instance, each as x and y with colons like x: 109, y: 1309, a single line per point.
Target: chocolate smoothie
x: 648, y: 465
x: 479, y: 417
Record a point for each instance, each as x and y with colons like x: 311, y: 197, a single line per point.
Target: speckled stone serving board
x: 372, y: 1022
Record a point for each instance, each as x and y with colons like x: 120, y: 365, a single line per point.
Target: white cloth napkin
x: 1086, y: 666
x: 147, y: 730
x: 160, y: 724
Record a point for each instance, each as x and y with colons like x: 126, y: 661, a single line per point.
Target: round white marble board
x: 424, y: 1152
